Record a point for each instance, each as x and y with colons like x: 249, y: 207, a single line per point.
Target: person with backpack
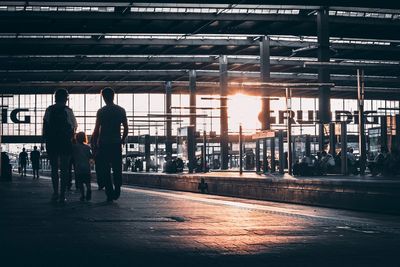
x: 107, y: 133
x: 59, y: 126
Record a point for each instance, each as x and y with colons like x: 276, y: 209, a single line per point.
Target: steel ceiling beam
x: 275, y: 60
x: 208, y: 73
x: 181, y: 43
x: 365, y: 6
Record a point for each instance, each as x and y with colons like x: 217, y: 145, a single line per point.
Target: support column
x: 191, y: 143
x: 147, y: 151
x: 265, y: 158
x: 265, y: 69
x: 289, y: 129
x: 281, y: 153
x: 273, y: 166
x: 240, y: 150
x: 343, y: 142
x: 323, y: 73
x: 192, y: 108
x: 223, y: 80
x: 258, y: 167
x: 397, y: 132
x: 308, y: 145
x: 204, y: 154
x: 321, y: 136
x: 192, y: 96
x: 332, y: 139
x: 168, y: 110
x: 361, y: 122
x: 384, y: 135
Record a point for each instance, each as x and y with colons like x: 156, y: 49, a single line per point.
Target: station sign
x: 16, y: 116
x: 311, y: 116
x: 263, y: 134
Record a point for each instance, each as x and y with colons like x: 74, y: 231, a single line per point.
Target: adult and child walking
x: 63, y: 144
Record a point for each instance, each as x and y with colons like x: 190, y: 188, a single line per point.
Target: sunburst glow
x: 244, y: 109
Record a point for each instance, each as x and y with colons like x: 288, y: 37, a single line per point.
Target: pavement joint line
x: 348, y: 221
x: 255, y: 207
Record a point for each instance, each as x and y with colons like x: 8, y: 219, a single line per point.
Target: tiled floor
x: 148, y: 227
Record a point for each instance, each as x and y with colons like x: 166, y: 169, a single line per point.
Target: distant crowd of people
x: 383, y: 163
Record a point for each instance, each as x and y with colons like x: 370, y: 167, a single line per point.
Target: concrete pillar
x: 321, y: 136
x: 191, y: 143
x: 332, y: 139
x: 258, y: 167
x: 273, y: 166
x: 265, y: 159
x: 240, y: 150
x: 308, y: 145
x: 192, y: 96
x: 397, y: 136
x: 361, y: 122
x: 384, y: 136
x: 289, y: 129
x: 147, y: 151
x: 265, y: 74
x: 343, y: 141
x: 168, y: 110
x: 192, y: 128
x: 204, y: 152
x: 223, y: 79
x: 323, y: 73
x: 281, y: 153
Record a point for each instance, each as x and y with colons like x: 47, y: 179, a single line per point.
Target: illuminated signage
x: 15, y: 116
x: 311, y: 117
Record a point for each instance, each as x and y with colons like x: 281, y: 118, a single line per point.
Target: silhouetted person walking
x: 59, y: 125
x: 107, y: 132
x: 82, y: 155
x: 35, y: 159
x: 23, y: 161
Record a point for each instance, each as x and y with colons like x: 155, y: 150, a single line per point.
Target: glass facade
x: 145, y: 111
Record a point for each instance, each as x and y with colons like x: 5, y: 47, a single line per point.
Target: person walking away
x: 107, y: 132
x: 23, y: 161
x: 35, y: 158
x: 59, y: 125
x: 82, y: 155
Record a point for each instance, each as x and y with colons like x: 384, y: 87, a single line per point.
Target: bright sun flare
x: 244, y: 109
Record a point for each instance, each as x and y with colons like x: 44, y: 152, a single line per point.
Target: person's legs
x: 105, y: 170
x: 64, y: 169
x: 24, y: 169
x: 99, y: 173
x: 79, y: 185
x: 53, y: 157
x: 116, y: 163
x: 88, y: 188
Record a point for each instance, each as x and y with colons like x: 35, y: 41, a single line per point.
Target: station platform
x: 375, y: 194
x: 156, y: 227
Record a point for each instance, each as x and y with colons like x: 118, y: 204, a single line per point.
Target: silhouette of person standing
x: 23, y: 161
x: 35, y: 158
x: 59, y: 125
x: 109, y: 143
